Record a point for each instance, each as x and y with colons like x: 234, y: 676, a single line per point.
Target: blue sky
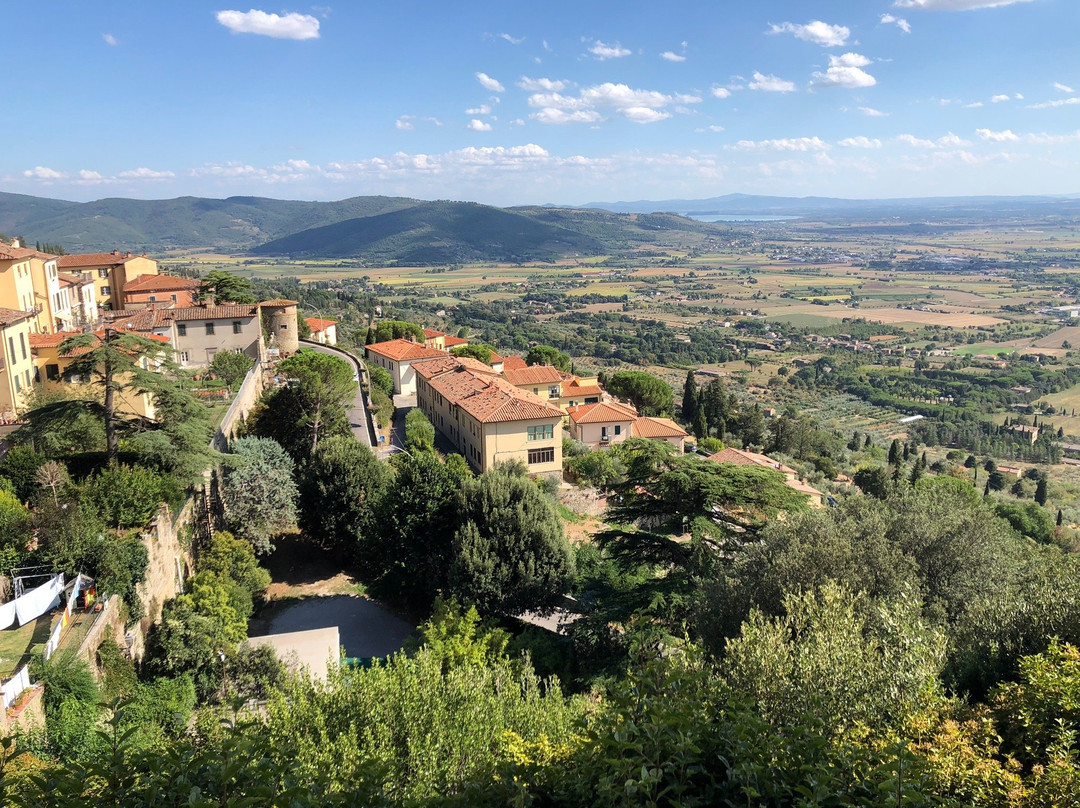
x: 564, y: 102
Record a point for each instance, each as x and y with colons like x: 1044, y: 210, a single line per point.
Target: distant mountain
x: 188, y: 222
x: 748, y: 205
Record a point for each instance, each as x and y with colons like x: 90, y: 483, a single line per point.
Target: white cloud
x: 558, y: 117
x: 145, y: 174
x: 870, y: 112
x: 602, y: 51
x: 721, y: 92
x: 511, y: 39
x: 286, y: 26
x: 43, y: 173
x: 640, y: 106
x: 1065, y: 88
x: 90, y: 176
x: 541, y: 85
x: 798, y: 144
x: 490, y: 84
x: 954, y: 5
x: 1018, y: 97
x: 483, y: 109
x: 771, y: 84
x: 111, y: 40
x: 1061, y: 102
x: 860, y: 142
x: 716, y: 128
x: 477, y: 125
x: 899, y: 22
x: 973, y: 105
x: 671, y: 56
x: 997, y: 99
x: 818, y: 32
x: 1004, y: 136
x: 945, y: 141
x: 845, y: 71
x: 404, y: 123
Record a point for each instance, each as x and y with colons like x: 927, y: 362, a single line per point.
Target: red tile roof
x: 12, y: 316
x: 161, y: 283
x: 430, y: 368
x: 513, y: 363
x: 430, y: 334
x: 741, y: 458
x: 535, y: 374
x: 316, y: 324
x: 67, y: 279
x: 55, y: 340
x: 403, y: 350
x: 601, y: 413
x: 650, y: 427
x: 278, y: 302
x: 486, y: 397
x: 455, y: 342
x: 109, y: 259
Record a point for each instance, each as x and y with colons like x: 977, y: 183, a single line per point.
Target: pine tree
x: 894, y: 452
x: 1040, y: 491
x: 701, y: 425
x: 690, y: 399
x: 1060, y: 518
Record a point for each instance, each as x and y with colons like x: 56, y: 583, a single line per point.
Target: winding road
x: 359, y: 417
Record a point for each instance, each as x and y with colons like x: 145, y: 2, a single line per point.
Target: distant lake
x: 737, y: 217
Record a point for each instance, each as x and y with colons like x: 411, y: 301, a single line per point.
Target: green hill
x: 437, y: 232
x: 188, y: 222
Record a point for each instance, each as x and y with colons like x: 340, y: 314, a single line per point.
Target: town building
x: 161, y: 290
x: 647, y: 426
x: 110, y: 272
x: 548, y: 382
x: 323, y: 332
x: 487, y: 419
x: 16, y: 362
x: 197, y: 333
x: 17, y: 282
x: 601, y: 425
x: 397, y: 356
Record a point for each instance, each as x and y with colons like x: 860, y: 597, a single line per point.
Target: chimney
x: 15, y: 243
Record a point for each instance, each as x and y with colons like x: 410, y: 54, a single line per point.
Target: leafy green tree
x: 231, y: 367
x: 381, y: 379
x: 125, y: 496
x: 259, y: 491
x: 20, y: 467
x: 15, y: 521
x: 547, y: 355
x: 650, y: 395
x: 311, y: 405
x: 419, y: 433
x: 478, y: 351
x: 398, y: 329
x: 179, y: 443
x: 599, y: 469
x: 233, y: 558
x: 872, y: 481
x: 1029, y: 519
x: 225, y: 287
x: 894, y: 453
x: 510, y: 553
x: 117, y: 362
x: 68, y: 533
x: 341, y: 493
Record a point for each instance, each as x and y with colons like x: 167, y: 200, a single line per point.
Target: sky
x: 562, y: 102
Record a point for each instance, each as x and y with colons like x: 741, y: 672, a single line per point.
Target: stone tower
x: 281, y: 325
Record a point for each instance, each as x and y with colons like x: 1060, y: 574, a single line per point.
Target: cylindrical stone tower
x: 281, y: 324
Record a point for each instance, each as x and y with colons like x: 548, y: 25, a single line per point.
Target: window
x: 541, y: 432
x: 52, y: 372
x: 103, y: 273
x: 11, y: 348
x: 541, y: 456
x: 553, y: 391
x: 181, y: 329
x: 153, y: 298
x: 209, y: 329
x: 237, y: 327
x: 22, y: 343
x: 105, y: 291
x: 18, y: 384
x: 618, y: 429
x: 603, y: 432
x: 173, y: 298
x: 183, y: 356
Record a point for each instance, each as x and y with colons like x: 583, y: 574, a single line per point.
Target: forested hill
x: 377, y: 228
x: 155, y: 225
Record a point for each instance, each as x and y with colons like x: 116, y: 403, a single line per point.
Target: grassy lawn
x: 17, y: 644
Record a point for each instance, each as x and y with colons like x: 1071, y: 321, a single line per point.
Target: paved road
x: 402, y: 405
x: 357, y: 410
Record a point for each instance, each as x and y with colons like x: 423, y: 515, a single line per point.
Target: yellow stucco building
x: 110, y: 272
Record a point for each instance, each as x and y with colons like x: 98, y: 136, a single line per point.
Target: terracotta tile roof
x: 601, y: 413
x: 490, y: 399
x: 226, y: 311
x: 803, y: 488
x: 279, y: 301
x: 316, y: 324
x: 51, y: 340
x: 403, y: 350
x: 741, y: 458
x: 535, y: 374
x: 649, y: 427
x: 432, y: 368
x: 430, y: 334
x: 576, y: 388
x: 141, y: 320
x: 67, y: 279
x: 161, y: 283
x: 513, y: 363
x: 495, y: 358
x: 55, y: 340
x: 12, y: 316
x: 454, y: 342
x: 15, y: 253
x: 109, y: 259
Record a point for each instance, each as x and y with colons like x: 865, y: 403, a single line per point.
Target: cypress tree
x: 1040, y: 491
x: 690, y: 405
x: 1060, y: 518
x: 894, y: 452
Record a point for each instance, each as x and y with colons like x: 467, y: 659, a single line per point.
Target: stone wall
x: 245, y: 399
